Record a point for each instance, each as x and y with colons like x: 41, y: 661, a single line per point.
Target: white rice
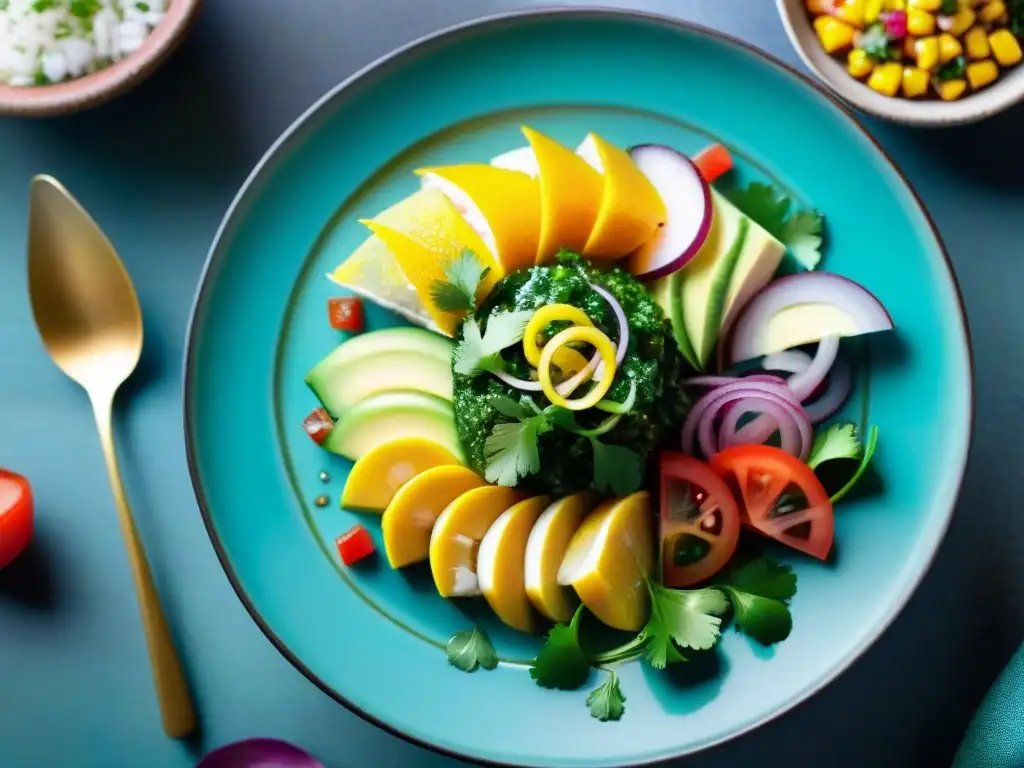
x: 49, y: 41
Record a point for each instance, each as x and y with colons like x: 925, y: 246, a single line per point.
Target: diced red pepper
x: 16, y: 516
x: 713, y: 162
x: 318, y: 424
x: 355, y: 544
x: 346, y: 314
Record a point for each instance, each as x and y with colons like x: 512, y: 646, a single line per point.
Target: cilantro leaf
x: 562, y: 663
x: 764, y: 578
x: 952, y: 70
x: 617, y: 469
x: 876, y: 43
x: 765, y: 620
x: 1016, y: 17
x: 869, y: 451
x: 562, y: 418
x: 606, y: 702
x: 801, y: 230
x: 803, y: 236
x: 457, y: 292
x: 470, y: 649
x: 660, y: 650
x: 759, y: 592
x: 511, y: 450
x: 838, y: 441
x: 691, y: 617
x: 476, y: 353
x: 506, y: 406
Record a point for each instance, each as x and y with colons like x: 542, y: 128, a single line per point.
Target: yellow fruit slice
x: 372, y: 272
x: 545, y: 550
x: 570, y: 196
x: 427, y: 235
x: 377, y: 476
x: 456, y: 538
x: 409, y: 518
x: 609, y: 559
x: 499, y: 563
x: 631, y: 208
x: 502, y: 206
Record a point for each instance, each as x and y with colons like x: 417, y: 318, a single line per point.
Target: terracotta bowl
x: 92, y: 90
x: 1004, y: 93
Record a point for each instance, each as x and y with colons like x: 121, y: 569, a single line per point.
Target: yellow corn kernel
x: 976, y: 42
x: 910, y: 47
x: 915, y: 82
x: 920, y: 22
x: 1005, y: 47
x: 951, y: 90
x: 819, y: 7
x: 859, y: 64
x: 895, y: 5
x: 949, y: 48
x: 926, y: 5
x: 834, y: 34
x: 886, y: 78
x: 982, y: 73
x: 927, y: 50
x: 993, y: 11
x: 872, y: 10
x: 852, y: 12
x: 961, y: 21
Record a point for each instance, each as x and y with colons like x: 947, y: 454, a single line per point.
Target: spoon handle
x: 171, y: 689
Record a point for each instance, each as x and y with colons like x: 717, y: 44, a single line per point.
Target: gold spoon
x: 88, y: 316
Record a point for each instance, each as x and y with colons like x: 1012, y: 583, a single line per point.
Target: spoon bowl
x: 89, y: 319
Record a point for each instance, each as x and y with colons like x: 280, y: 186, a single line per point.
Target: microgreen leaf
x: 478, y: 352
x: 837, y: 441
x: 457, y: 292
x: 562, y: 663
x: 617, y: 469
x: 606, y: 702
x: 506, y: 406
x: 470, y: 649
x: 869, y: 451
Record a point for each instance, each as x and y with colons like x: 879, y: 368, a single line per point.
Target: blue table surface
x: 158, y: 169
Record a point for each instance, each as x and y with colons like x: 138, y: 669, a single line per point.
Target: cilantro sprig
x: 457, y: 292
x: 470, y: 649
x: 842, y: 441
x: 759, y: 592
x: 801, y: 230
x: 478, y: 352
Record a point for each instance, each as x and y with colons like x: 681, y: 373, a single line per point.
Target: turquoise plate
x: 372, y: 638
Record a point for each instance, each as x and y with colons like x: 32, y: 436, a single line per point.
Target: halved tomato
x: 782, y: 498
x: 699, y: 525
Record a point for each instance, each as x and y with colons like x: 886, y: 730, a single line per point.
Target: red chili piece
x: 346, y: 314
x: 317, y: 425
x: 355, y: 544
x: 16, y: 516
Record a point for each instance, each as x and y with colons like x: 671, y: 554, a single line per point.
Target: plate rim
x: 396, y: 56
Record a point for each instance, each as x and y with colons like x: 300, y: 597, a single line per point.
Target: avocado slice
x: 667, y: 293
x: 719, y: 290
x: 383, y: 361
x: 390, y: 415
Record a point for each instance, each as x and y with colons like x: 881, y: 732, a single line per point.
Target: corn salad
x: 913, y: 49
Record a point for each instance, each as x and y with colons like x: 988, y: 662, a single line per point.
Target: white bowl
x: 1004, y: 93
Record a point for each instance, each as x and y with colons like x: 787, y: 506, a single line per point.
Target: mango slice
x: 609, y: 560
x: 409, y: 519
x: 502, y: 206
x: 456, y: 538
x: 427, y: 233
x: 570, y: 196
x: 377, y: 476
x: 631, y: 208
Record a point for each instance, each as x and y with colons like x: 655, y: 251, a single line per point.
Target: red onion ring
x: 721, y: 381
x: 512, y: 381
x: 793, y: 427
x: 840, y: 384
x: 714, y: 400
x: 803, y: 384
x: 595, y: 366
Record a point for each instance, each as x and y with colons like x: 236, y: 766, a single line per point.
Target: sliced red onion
x: 512, y: 381
x: 790, y: 361
x: 796, y: 432
x: 805, y: 382
x: 721, y: 381
x: 750, y: 334
x: 689, y: 209
x: 716, y: 399
x: 793, y: 427
x: 840, y: 384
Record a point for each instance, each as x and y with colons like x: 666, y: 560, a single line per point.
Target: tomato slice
x: 782, y: 498
x: 16, y: 516
x: 355, y: 544
x: 699, y: 525
x: 346, y: 314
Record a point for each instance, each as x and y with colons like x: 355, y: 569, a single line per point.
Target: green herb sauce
x: 652, y: 361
